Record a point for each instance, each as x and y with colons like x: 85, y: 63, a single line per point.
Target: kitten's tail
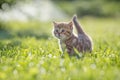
x: 77, y: 25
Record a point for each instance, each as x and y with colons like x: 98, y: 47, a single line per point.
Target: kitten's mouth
x: 62, y: 37
x: 59, y: 36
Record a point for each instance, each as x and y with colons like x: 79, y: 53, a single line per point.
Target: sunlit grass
x: 32, y: 53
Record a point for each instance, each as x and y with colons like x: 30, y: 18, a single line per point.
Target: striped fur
x: 68, y: 41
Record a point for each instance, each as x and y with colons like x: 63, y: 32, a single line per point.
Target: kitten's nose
x: 58, y: 34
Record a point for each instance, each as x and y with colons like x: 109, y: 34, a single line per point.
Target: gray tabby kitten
x: 68, y: 41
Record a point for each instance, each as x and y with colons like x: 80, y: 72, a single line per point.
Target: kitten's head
x: 63, y: 30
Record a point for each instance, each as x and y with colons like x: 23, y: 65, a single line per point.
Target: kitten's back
x: 84, y: 39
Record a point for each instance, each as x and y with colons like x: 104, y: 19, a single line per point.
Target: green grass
x: 29, y: 52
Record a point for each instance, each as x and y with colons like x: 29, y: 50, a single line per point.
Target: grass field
x: 28, y: 51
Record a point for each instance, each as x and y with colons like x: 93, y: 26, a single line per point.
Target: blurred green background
x: 98, y: 8
x: 49, y: 10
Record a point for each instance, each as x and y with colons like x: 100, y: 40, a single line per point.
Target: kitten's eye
x: 63, y: 31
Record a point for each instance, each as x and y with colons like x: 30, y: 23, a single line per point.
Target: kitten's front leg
x: 62, y: 46
x: 70, y: 50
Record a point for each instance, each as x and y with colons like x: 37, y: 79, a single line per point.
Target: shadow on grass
x: 30, y: 33
x: 5, y: 35
x: 9, y: 39
x: 7, y: 32
x: 22, y: 34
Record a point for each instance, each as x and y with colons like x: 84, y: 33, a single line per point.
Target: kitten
x: 68, y: 41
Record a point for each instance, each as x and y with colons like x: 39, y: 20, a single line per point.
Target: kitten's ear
x: 70, y: 24
x: 54, y: 23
